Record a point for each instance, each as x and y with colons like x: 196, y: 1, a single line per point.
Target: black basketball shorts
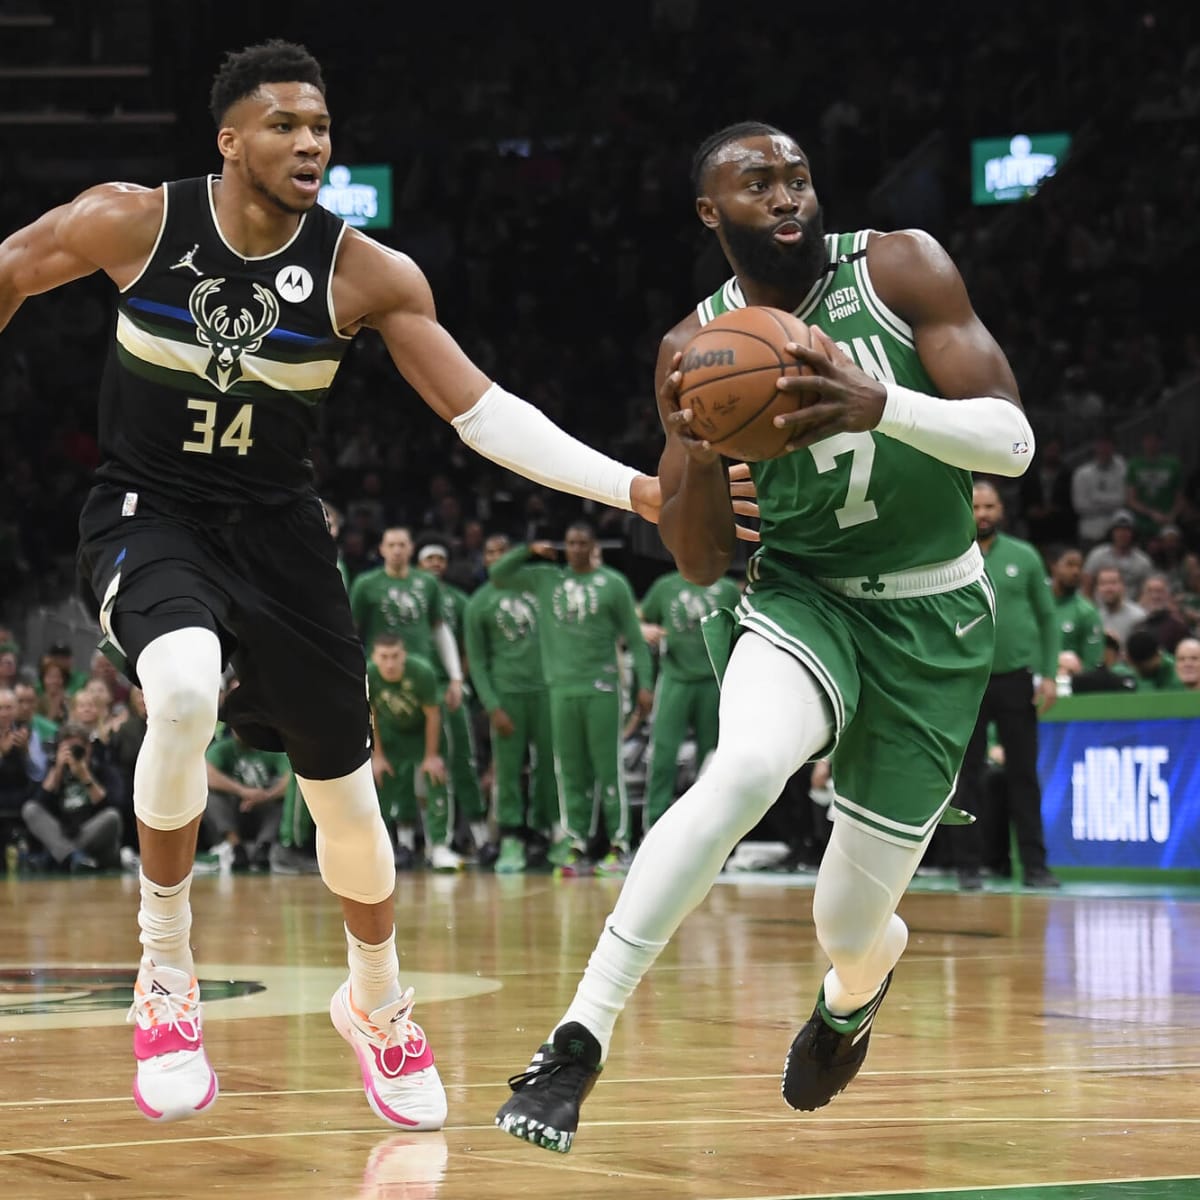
x: 265, y: 580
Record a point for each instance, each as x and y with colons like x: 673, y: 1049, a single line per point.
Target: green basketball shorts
x: 903, y: 659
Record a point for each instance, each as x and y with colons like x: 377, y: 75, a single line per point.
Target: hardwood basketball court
x: 1028, y: 1040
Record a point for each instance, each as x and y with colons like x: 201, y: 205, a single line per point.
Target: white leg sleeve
x: 180, y: 674
x: 774, y: 718
x: 353, y: 847
x: 859, y: 886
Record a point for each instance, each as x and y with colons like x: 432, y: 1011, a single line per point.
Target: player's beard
x: 260, y: 186
x: 984, y: 530
x: 773, y: 264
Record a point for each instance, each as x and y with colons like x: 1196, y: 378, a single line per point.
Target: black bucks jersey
x: 211, y: 389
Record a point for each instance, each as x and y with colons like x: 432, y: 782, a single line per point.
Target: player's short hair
x: 583, y: 527
x: 243, y: 72
x: 722, y: 137
x: 388, y: 640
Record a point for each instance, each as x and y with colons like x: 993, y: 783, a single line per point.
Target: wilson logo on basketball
x: 695, y: 359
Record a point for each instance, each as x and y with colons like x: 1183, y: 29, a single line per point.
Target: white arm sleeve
x: 982, y: 434
x: 513, y: 433
x: 443, y: 639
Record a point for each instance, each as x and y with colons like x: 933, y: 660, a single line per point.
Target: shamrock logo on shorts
x: 873, y: 583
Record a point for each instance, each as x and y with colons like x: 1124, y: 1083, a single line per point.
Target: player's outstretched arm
x: 110, y: 227
x: 384, y: 290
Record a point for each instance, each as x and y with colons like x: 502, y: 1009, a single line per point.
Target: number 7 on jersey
x: 857, y: 510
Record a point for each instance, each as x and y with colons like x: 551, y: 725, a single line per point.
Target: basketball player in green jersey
x: 687, y: 691
x: 458, y: 741
x: 204, y: 541
x: 504, y: 658
x: 866, y: 628
x: 583, y: 609
x: 403, y: 692
x: 398, y: 598
x: 1080, y: 628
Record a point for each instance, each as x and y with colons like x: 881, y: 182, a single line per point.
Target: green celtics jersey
x: 453, y: 605
x: 1080, y: 629
x: 679, y: 607
x: 1155, y: 481
x: 399, y: 708
x: 858, y: 503
x: 1026, y: 623
x: 581, y: 618
x: 408, y: 606
x: 503, y: 651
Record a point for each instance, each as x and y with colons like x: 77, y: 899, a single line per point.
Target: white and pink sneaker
x: 398, y: 1073
x: 173, y: 1079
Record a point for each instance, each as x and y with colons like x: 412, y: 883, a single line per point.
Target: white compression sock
x: 374, y: 972
x: 860, y: 883
x: 165, y: 918
x: 773, y: 718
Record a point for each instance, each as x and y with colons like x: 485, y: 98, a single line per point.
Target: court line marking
x: 641, y: 1123
x: 972, y: 1188
x: 1139, y: 1068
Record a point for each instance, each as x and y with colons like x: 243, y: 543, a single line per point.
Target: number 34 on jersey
x: 235, y: 435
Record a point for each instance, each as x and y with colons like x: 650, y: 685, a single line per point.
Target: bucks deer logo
x: 229, y: 337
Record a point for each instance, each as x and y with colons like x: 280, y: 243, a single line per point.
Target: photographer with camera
x: 73, y: 815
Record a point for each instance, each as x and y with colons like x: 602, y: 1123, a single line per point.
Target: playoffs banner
x: 1121, y: 793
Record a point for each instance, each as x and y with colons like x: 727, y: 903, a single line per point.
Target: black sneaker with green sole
x: 544, y: 1106
x: 827, y: 1053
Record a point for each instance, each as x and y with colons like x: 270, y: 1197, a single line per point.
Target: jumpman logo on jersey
x: 186, y: 261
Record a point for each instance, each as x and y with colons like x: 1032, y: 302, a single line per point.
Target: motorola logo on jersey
x: 294, y: 284
x: 230, y: 337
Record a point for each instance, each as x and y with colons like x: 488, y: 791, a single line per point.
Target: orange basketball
x: 729, y: 371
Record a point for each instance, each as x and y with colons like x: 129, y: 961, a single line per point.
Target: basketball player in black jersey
x: 204, y: 541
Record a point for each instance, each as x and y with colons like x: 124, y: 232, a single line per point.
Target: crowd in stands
x: 546, y: 197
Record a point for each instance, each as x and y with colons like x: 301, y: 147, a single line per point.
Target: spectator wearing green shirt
x: 397, y: 598
x: 687, y: 693
x: 407, y: 720
x: 1153, y: 486
x: 504, y: 659
x: 1150, y: 665
x: 1026, y: 646
x: 584, y: 609
x: 1080, y: 628
x: 458, y: 741
x: 245, y: 790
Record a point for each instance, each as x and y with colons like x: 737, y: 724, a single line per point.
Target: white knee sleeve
x: 353, y: 847
x: 180, y: 674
